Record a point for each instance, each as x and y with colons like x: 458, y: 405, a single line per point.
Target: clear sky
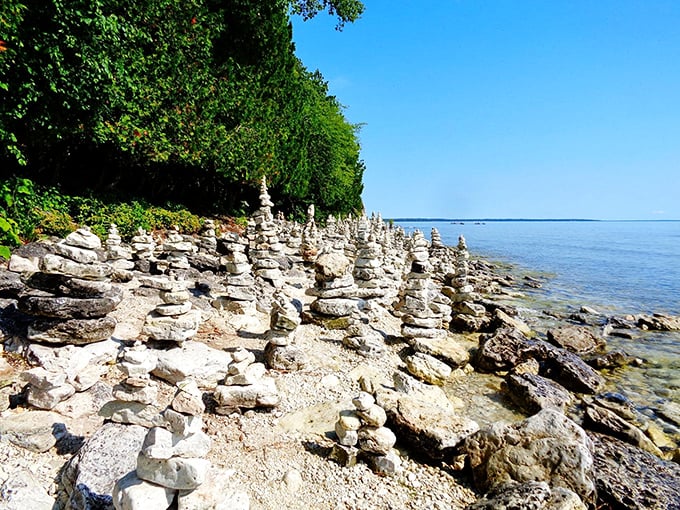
x: 510, y: 108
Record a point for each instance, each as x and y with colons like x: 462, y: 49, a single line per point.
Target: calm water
x: 617, y: 267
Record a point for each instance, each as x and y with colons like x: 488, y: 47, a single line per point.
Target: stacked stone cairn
x: 423, y: 318
x: 334, y: 290
x: 137, y: 393
x: 311, y: 239
x: 171, y: 464
x: 207, y: 242
x: 362, y: 435
x: 440, y: 256
x: 175, y: 251
x: 238, y: 296
x: 119, y: 256
x: 175, y: 320
x: 333, y: 237
x: 246, y: 386
x: 467, y: 313
x: 393, y: 258
x: 280, y: 353
x: 265, y: 248
x: 143, y: 245
x: 368, y: 273
x: 293, y: 243
x: 361, y: 337
x: 69, y: 299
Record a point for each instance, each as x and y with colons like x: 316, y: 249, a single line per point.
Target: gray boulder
x: 546, y: 447
x: 529, y: 496
x: 64, y: 307
x: 577, y: 339
x: 533, y: 392
x: 72, y: 331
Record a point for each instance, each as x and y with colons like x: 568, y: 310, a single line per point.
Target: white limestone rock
x: 215, y: 493
x: 172, y: 328
x: 174, y: 473
x: 428, y: 368
x: 193, y: 360
x: 83, y: 238
x: 133, y: 493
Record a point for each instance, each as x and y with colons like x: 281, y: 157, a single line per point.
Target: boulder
x: 577, y: 339
x: 529, y: 496
x: 174, y: 473
x: 659, y: 322
x: 71, y: 331
x: 329, y: 266
x: 443, y: 348
x: 629, y: 478
x: 571, y: 371
x: 428, y: 368
x: 532, y: 392
x: 133, y: 493
x: 288, y: 358
x: 90, y: 475
x: 547, y: 447
x: 504, y: 349
x: 503, y: 320
x: 64, y: 307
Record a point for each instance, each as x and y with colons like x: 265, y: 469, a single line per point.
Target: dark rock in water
x: 621, y: 322
x: 587, y: 319
x: 547, y: 447
x: 469, y: 323
x: 571, y: 371
x: 614, y: 359
x: 492, y: 306
x: 659, y: 322
x: 67, y: 307
x: 10, y: 284
x: 533, y: 393
x: 71, y: 331
x: 528, y: 496
x: 628, y: 478
x: 620, y: 404
x: 504, y: 349
x: 603, y: 420
x: 575, y: 339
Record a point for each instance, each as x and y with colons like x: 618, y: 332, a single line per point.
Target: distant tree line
x: 186, y: 101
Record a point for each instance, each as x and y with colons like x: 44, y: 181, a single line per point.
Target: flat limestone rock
x: 629, y: 478
x: 173, y: 329
x: 529, y: 496
x: 174, y: 473
x: 32, y: 430
x: 262, y: 394
x: 83, y: 238
x: 217, y: 491
x: 444, y: 348
x: 577, y: 339
x: 335, y: 307
x: 51, y: 263
x: 108, y: 455
x: 193, y: 360
x: 21, y: 491
x: 428, y: 368
x: 133, y: 493
x: 71, y: 331
x: 64, y: 307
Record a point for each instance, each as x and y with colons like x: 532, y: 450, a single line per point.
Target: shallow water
x: 616, y: 267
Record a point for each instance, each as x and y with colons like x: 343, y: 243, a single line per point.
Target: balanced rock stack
x: 333, y: 238
x: 174, y: 320
x: 266, y: 248
x: 280, y: 353
x: 311, y: 239
x: 171, y: 464
x: 440, y: 256
x: 247, y: 386
x: 119, y: 256
x: 334, y: 290
x: 293, y: 243
x: 238, y: 296
x: 362, y: 435
x: 468, y: 314
x: 175, y: 250
x: 368, y: 272
x: 208, y: 241
x: 143, y: 245
x: 361, y: 337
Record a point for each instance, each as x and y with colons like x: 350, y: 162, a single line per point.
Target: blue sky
x: 510, y: 108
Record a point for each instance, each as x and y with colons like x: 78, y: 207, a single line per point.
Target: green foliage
x: 189, y: 101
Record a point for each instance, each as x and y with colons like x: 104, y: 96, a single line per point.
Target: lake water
x: 618, y: 267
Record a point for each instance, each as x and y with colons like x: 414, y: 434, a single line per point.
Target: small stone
x: 133, y: 493
x: 174, y: 473
x: 376, y: 440
x: 363, y: 401
x: 344, y: 455
x: 346, y: 437
x: 293, y: 480
x: 374, y: 416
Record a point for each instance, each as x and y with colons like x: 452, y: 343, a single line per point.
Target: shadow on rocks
x: 67, y: 443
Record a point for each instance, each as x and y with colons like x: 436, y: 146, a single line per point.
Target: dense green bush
x: 189, y: 101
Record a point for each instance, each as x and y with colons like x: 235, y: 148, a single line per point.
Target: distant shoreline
x: 470, y: 220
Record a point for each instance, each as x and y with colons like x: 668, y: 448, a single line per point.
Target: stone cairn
x: 176, y: 250
x: 422, y: 317
x: 265, y: 247
x: 362, y: 435
x: 293, y: 243
x: 69, y: 298
x: 467, y: 313
x: 171, y: 464
x: 246, y: 386
x: 361, y: 337
x: 175, y: 320
x: 280, y: 353
x: 311, y: 239
x: 238, y: 296
x: 119, y: 256
x: 207, y: 242
x: 333, y: 237
x: 334, y: 290
x: 440, y: 256
x: 368, y: 272
x: 143, y: 245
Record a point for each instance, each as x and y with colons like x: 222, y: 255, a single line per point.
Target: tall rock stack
x: 266, y: 248
x: 293, y: 243
x: 174, y: 320
x: 119, y: 256
x: 238, y: 296
x: 440, y: 257
x: 281, y: 353
x: 311, y: 239
x: 368, y: 273
x: 69, y: 299
x: 421, y: 318
x: 208, y: 240
x: 362, y: 435
x: 467, y: 315
x: 333, y: 238
x: 362, y: 338
x: 334, y: 290
x: 143, y: 250
x: 176, y: 250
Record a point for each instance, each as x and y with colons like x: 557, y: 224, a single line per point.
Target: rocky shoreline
x: 293, y: 366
